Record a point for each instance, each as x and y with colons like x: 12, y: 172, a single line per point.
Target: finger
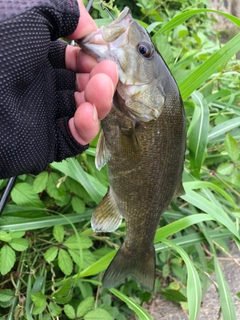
x: 108, y: 67
x: 81, y: 81
x: 65, y: 146
x: 99, y: 92
x: 78, y: 60
x: 86, y: 24
x: 79, y: 98
x: 85, y: 125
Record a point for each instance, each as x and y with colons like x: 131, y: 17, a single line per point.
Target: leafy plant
x: 50, y: 259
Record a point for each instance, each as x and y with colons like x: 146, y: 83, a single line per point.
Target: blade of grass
x: 140, y: 312
x: 198, y: 137
x: 97, y: 266
x: 205, y: 184
x: 199, y: 75
x: 223, y: 128
x: 179, y: 225
x: 195, y: 238
x: 73, y: 169
x: 188, y: 240
x: 42, y: 222
x: 226, y: 301
x: 212, y: 209
x: 180, y: 18
x: 194, y: 291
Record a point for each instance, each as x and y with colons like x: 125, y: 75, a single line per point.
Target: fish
x: 142, y: 142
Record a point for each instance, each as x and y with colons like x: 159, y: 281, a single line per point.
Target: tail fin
x: 139, y: 265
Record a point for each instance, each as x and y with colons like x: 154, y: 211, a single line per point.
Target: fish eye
x: 145, y: 49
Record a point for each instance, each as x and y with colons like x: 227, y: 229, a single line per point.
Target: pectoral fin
x: 102, y: 152
x: 107, y: 216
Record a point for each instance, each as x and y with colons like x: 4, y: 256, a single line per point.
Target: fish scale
x: 143, y: 144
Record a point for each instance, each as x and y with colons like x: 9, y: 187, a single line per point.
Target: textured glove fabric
x: 36, y: 91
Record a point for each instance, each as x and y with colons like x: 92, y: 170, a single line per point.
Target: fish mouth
x: 107, y: 37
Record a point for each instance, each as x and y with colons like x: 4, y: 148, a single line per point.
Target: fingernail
x: 95, y: 114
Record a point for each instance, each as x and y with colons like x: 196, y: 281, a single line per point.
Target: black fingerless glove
x: 36, y: 91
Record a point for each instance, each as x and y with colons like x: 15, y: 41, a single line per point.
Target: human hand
x: 42, y: 116
x: 96, y: 84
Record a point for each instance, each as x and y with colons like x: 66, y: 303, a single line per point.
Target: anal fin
x: 107, y: 216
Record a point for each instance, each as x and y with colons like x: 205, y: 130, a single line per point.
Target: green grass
x: 51, y: 262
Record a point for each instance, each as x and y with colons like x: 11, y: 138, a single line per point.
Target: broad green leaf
x: 6, y: 295
x: 63, y: 290
x: 180, y: 31
x: 194, y: 291
x: 38, y: 298
x: 63, y: 300
x: 22, y: 194
x: 140, y: 312
x: 69, y: 311
x: 52, y: 189
x: 19, y: 244
x: 40, y: 182
x: 7, y: 259
x: 54, y: 309
x: 51, y: 254
x: 74, y: 253
x: 17, y: 234
x: 5, y: 236
x: 6, y: 304
x: 84, y: 306
x: 78, y: 204
x: 222, y: 128
x: 99, y: 314
x: 39, y: 309
x: 225, y: 169
x: 65, y: 262
x: 58, y: 233
x: 88, y: 258
x: 72, y: 242
x: 231, y: 147
x: 197, y: 140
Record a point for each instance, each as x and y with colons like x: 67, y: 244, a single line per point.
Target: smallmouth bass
x: 143, y: 144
